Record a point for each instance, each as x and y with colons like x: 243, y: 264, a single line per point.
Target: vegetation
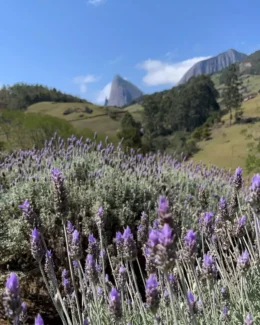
x: 183, y: 271
x: 20, y: 130
x: 21, y: 95
x: 232, y: 97
x: 228, y: 146
x: 181, y: 109
x: 130, y: 132
x: 253, y: 157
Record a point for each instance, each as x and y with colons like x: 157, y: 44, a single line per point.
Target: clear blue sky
x: 77, y: 46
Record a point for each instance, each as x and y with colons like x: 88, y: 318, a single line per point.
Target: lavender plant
x: 200, y: 240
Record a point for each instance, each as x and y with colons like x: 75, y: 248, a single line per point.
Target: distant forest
x: 21, y: 95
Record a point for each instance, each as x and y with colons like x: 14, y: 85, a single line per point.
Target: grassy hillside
x: 228, y: 147
x: 103, y: 120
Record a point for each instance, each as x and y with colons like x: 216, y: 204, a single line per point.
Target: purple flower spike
x: 163, y: 206
x: 153, y: 238
x: 244, y: 261
x: 238, y: 172
x: 12, y: 284
x: 152, y: 294
x: 39, y: 320
x: 190, y: 298
x: 166, y: 235
x: 119, y: 236
x: 151, y: 283
x: 25, y: 206
x: 249, y: 320
x: 70, y: 227
x: 190, y: 239
x: 91, y: 239
x: 36, y: 245
x: 127, y: 233
x: 75, y: 237
x: 255, y: 184
x: 56, y: 174
x: 222, y: 203
x: 35, y: 235
x: 208, y: 218
x: 11, y: 297
x: 254, y: 197
x: 242, y: 221
x: 115, y: 306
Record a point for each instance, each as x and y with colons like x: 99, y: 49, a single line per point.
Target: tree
x: 130, y: 132
x: 232, y: 97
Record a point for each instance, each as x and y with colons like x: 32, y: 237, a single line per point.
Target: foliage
x: 200, y: 256
x: 232, y: 97
x: 21, y: 95
x: 182, y: 108
x: 253, y: 157
x: 26, y: 130
x: 130, y: 132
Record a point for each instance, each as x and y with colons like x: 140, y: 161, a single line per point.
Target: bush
x: 68, y: 111
x: 104, y: 191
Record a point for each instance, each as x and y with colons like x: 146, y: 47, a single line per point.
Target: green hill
x: 228, y: 147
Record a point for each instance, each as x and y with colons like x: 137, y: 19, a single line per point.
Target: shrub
x: 196, y: 271
x: 68, y: 111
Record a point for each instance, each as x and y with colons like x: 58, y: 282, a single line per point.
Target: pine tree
x: 231, y: 96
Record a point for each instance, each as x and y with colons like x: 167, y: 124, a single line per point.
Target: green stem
x: 72, y: 274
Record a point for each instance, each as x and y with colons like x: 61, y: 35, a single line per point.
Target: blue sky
x: 78, y: 46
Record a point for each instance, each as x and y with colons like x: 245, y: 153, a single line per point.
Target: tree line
x: 22, y: 95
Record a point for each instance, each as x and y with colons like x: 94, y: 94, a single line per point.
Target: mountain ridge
x: 213, y: 64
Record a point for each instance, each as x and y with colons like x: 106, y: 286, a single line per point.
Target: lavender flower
x: 129, y: 246
x: 115, y: 306
x: 39, y: 320
x: 225, y: 314
x: 161, y: 247
x: 60, y: 198
x: 121, y: 277
x: 190, y: 239
x: 36, y: 245
x: 66, y: 282
x: 243, y: 261
x: 249, y: 320
x: 99, y: 218
x: 48, y: 266
x: 223, y: 209
x: 254, y: 198
x: 92, y: 246
x: 29, y: 215
x: 90, y: 269
x: 143, y: 229
x: 11, y: 297
x: 75, y: 248
x: 119, y: 244
x: 240, y: 227
x: 209, y: 266
x: 237, y: 179
x: 152, y: 294
x: 23, y: 315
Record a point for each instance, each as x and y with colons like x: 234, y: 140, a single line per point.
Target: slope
x: 228, y: 147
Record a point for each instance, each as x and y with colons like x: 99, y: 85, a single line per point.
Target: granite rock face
x: 213, y: 65
x: 122, y: 92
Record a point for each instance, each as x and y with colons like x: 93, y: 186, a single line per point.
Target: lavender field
x: 125, y: 238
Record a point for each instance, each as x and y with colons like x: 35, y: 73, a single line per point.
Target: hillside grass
x: 98, y: 121
x: 57, y: 110
x: 228, y: 147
